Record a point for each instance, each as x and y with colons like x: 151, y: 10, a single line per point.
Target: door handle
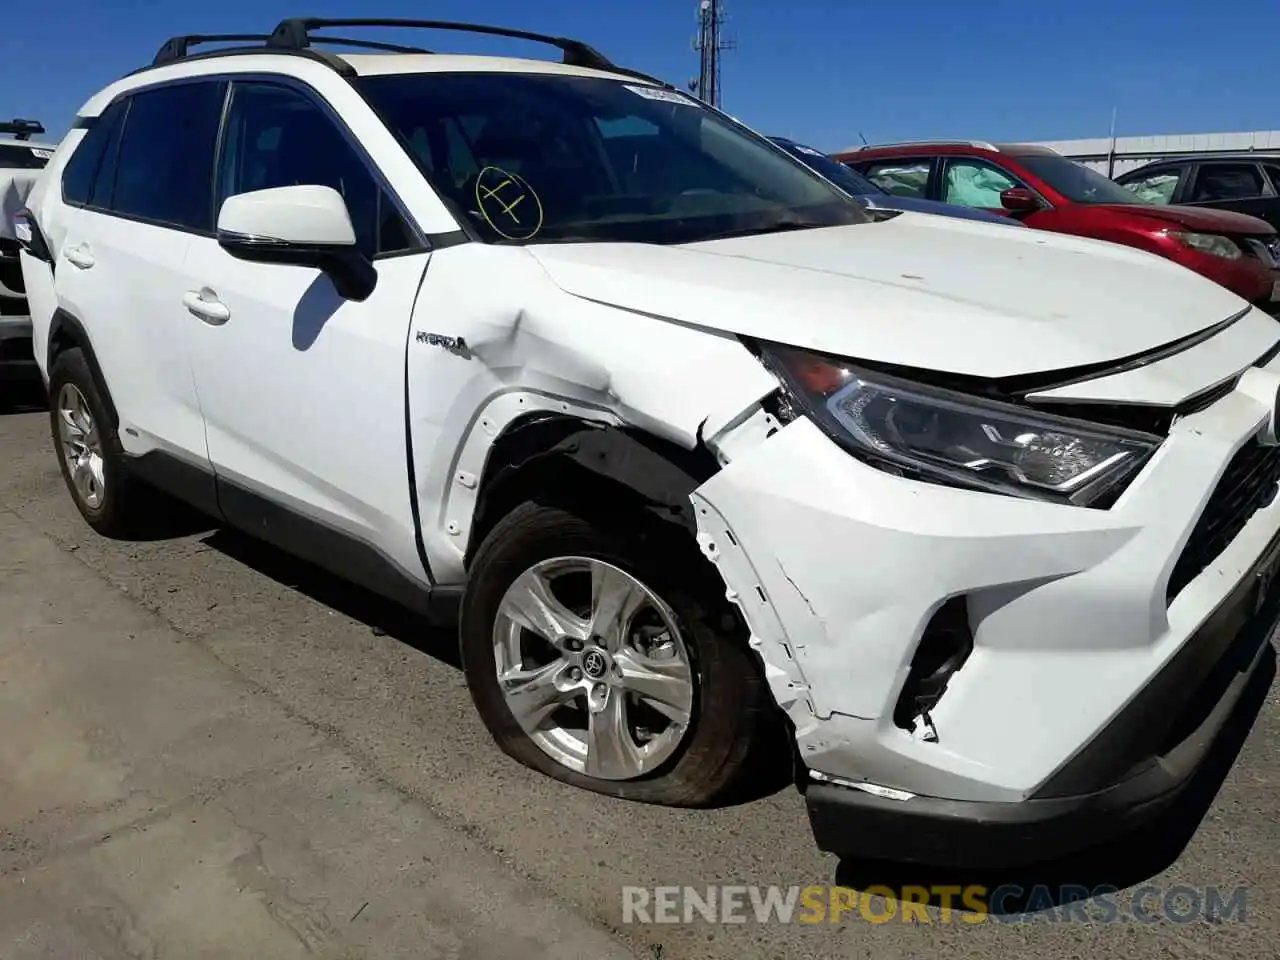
x: 79, y: 256
x: 206, y: 305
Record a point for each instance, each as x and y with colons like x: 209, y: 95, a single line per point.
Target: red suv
x: 1046, y: 190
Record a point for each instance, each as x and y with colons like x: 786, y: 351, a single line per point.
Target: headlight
x: 1209, y: 243
x: 935, y: 434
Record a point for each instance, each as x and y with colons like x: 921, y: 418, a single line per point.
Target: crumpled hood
x: 920, y: 291
x: 1203, y: 219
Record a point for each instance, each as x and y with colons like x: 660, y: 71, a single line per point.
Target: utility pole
x: 709, y: 43
x: 1111, y: 150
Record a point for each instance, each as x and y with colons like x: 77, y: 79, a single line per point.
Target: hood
x: 920, y: 291
x: 1202, y: 219
x: 889, y: 201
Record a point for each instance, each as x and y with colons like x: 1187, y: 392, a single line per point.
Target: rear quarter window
x: 82, y: 167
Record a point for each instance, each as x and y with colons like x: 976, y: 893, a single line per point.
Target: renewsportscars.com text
x: 818, y: 904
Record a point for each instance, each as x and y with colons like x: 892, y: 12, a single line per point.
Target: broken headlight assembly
x: 938, y: 435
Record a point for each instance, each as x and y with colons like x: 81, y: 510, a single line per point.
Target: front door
x: 304, y: 392
x: 971, y: 182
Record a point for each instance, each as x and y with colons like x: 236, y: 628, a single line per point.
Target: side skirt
x: 301, y: 536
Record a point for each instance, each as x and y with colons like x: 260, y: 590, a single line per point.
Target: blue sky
x: 823, y: 71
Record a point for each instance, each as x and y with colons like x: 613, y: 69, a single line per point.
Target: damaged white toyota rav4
x: 984, y: 520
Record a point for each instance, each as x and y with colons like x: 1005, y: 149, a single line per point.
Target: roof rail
x: 980, y: 144
x: 179, y: 48
x: 295, y: 36
x: 22, y: 129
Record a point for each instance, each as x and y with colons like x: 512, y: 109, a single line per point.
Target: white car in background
x: 983, y: 519
x: 21, y: 161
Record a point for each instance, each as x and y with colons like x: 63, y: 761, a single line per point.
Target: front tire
x: 89, y: 453
x: 606, y: 657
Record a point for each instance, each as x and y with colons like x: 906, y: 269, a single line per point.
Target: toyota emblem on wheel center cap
x: 594, y: 664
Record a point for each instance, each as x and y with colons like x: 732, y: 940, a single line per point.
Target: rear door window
x: 902, y: 178
x: 164, y: 168
x: 1227, y: 181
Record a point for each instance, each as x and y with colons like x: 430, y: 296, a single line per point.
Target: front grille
x: 1247, y: 485
x: 1266, y: 249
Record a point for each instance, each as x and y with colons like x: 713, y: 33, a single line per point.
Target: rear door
x: 54, y: 201
x: 124, y: 241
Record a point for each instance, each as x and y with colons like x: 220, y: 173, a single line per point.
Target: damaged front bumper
x: 1216, y: 666
x: 1106, y: 648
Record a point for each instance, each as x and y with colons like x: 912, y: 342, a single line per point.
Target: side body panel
x: 526, y: 346
x: 130, y: 301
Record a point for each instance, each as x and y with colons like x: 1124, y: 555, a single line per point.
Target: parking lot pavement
x: 208, y: 749
x: 156, y: 803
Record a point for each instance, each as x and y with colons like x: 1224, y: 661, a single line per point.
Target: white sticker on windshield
x: 42, y: 153
x: 657, y: 93
x: 810, y: 151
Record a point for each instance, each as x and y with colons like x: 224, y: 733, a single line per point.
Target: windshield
x: 843, y: 177
x: 23, y: 156
x: 535, y: 158
x: 1076, y: 182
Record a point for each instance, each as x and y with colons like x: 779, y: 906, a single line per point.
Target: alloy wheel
x: 81, y: 446
x: 594, y: 668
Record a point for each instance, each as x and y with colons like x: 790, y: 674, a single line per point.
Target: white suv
x: 21, y: 161
x: 983, y: 519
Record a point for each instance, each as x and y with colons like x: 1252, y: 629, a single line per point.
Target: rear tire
x: 93, y: 464
x: 696, y: 662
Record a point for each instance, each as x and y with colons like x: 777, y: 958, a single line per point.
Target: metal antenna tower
x: 709, y: 42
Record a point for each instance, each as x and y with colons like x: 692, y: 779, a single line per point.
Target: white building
x: 1126, y: 153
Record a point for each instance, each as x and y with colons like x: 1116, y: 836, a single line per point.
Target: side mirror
x: 1019, y: 200
x: 302, y: 226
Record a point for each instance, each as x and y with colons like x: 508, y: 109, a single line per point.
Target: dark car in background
x: 1048, y: 191
x: 871, y: 196
x: 1245, y: 183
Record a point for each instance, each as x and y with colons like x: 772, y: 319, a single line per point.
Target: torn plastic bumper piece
x: 1159, y: 743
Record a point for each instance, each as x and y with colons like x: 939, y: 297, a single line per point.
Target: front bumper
x: 1174, y: 735
x: 1093, y: 631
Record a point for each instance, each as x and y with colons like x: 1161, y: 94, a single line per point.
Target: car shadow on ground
x: 384, y: 617
x: 23, y: 394
x: 769, y: 772
x: 1119, y: 864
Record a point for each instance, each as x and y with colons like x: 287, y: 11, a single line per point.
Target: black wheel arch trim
x: 66, y: 331
x: 656, y: 473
